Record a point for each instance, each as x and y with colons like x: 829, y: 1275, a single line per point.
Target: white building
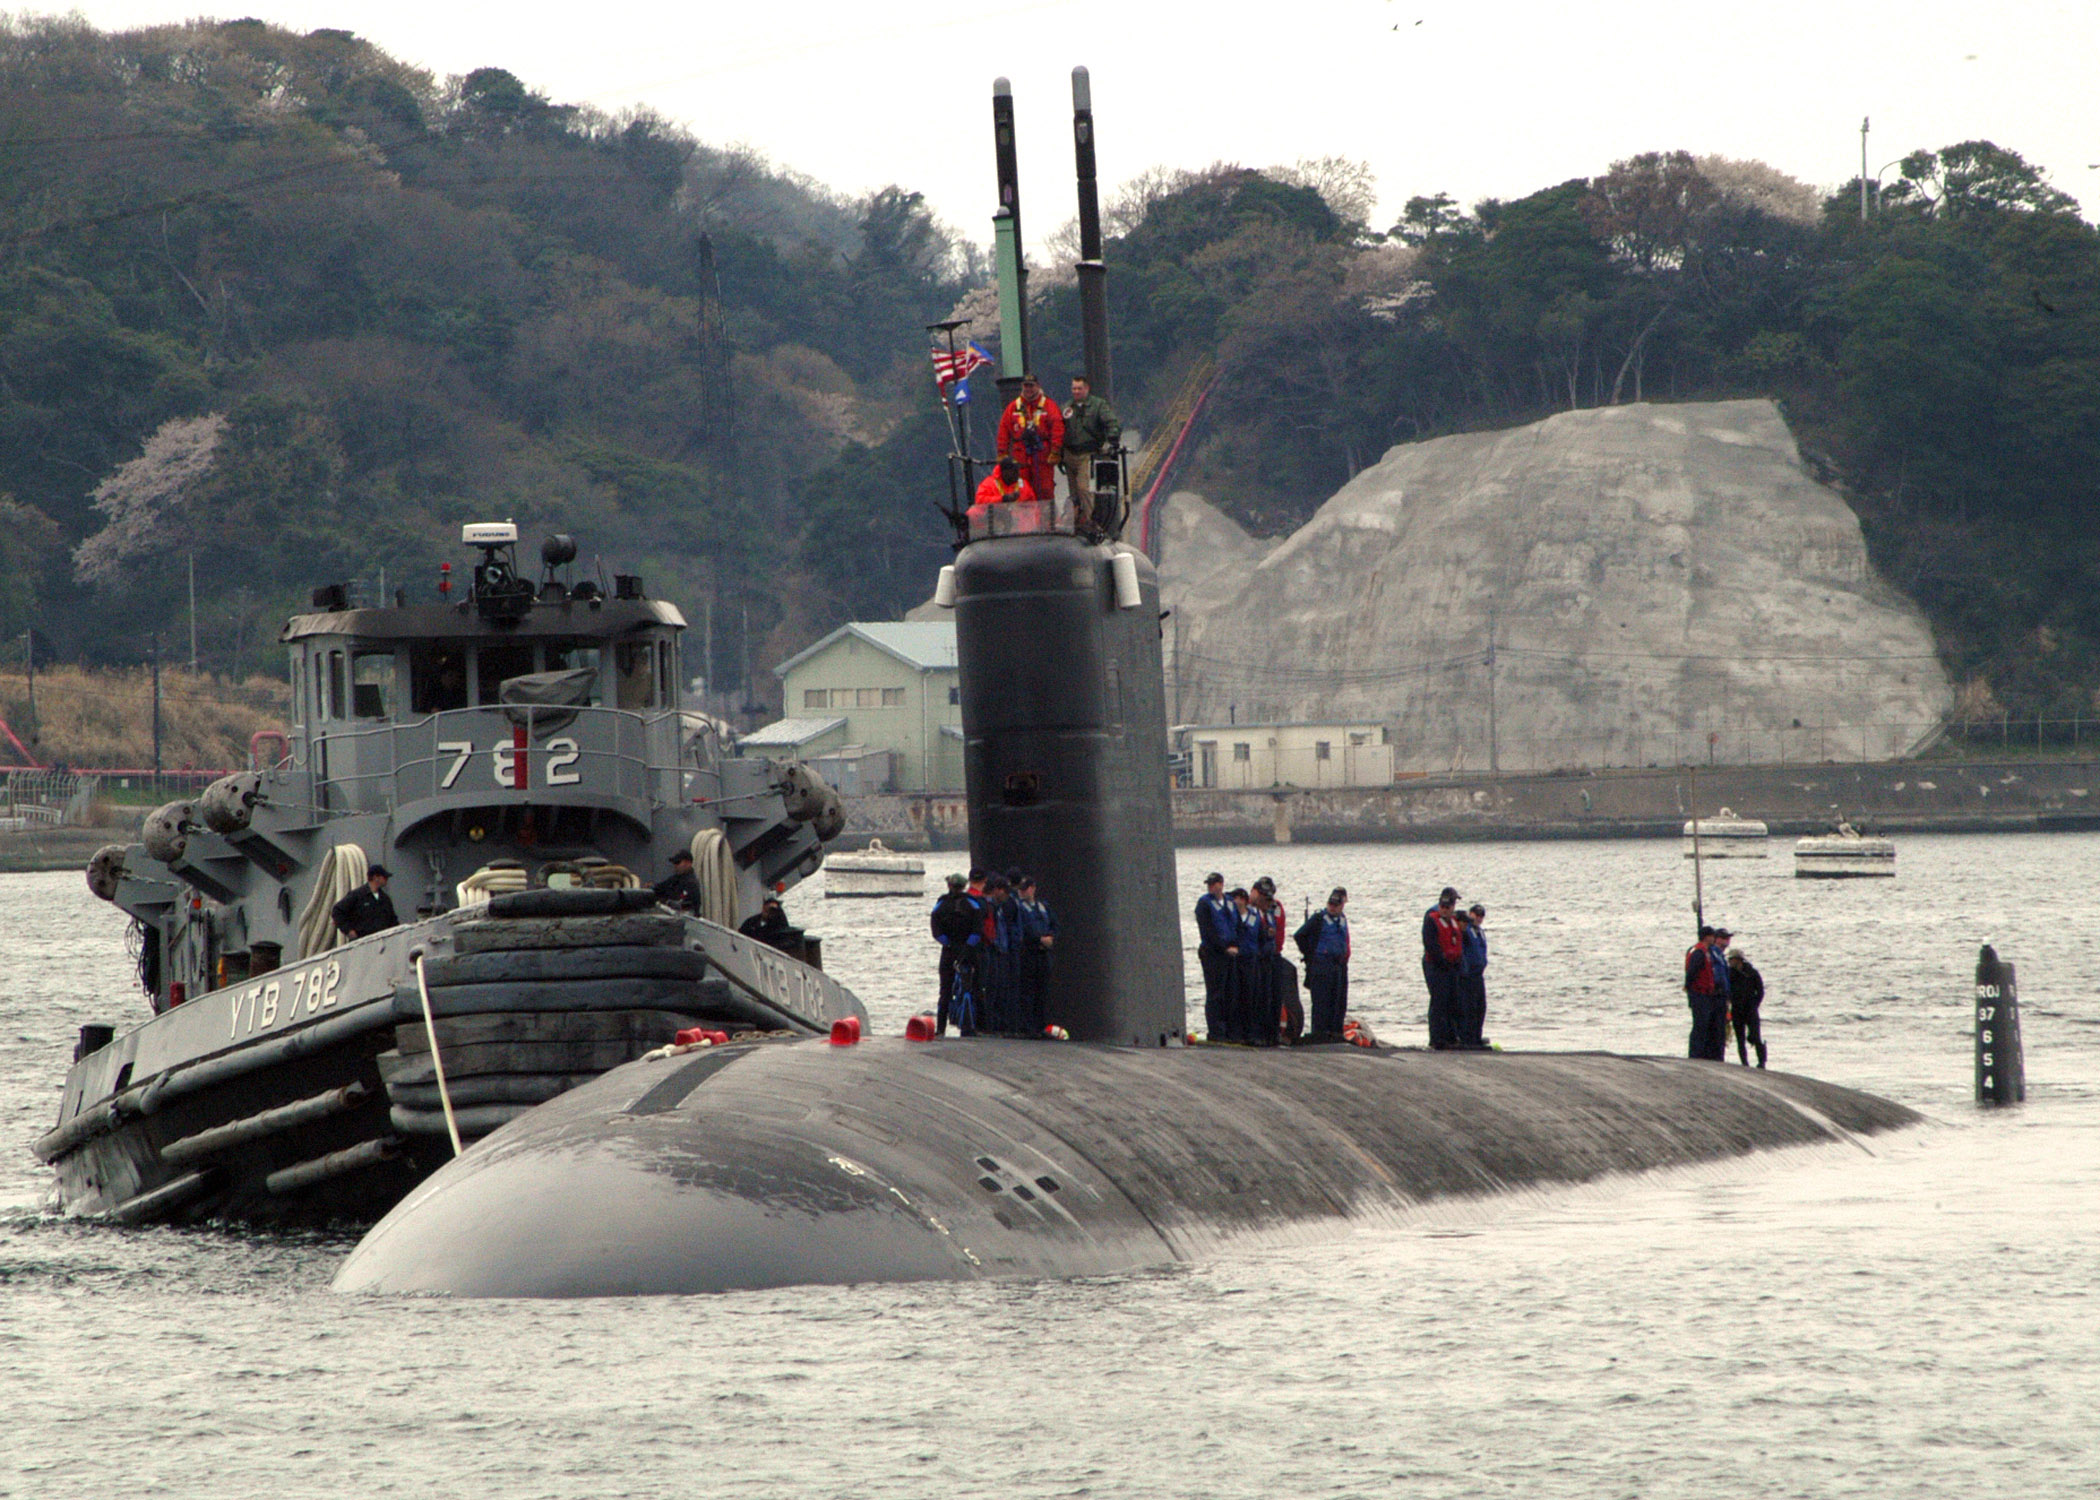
x: 1253, y: 756
x: 873, y: 687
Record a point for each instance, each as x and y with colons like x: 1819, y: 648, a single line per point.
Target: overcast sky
x: 1474, y: 99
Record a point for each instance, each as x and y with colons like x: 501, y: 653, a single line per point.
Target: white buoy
x: 1124, y: 567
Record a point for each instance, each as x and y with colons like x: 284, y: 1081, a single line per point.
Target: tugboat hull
x: 310, y: 1096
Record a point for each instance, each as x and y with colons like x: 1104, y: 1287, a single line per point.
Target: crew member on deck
x: 368, y: 909
x: 1286, y: 1009
x: 1002, y: 963
x: 1249, y: 991
x: 1706, y: 991
x: 1443, y: 946
x: 769, y: 925
x: 1746, y: 992
x: 1038, y: 937
x: 1032, y: 434
x: 1324, y: 940
x: 680, y: 890
x: 1472, y: 980
x: 1092, y: 429
x: 958, y: 926
x: 1217, y: 935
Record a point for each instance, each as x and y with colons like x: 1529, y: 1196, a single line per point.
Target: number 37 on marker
x: 556, y: 760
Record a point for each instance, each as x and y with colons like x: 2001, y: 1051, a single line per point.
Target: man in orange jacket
x: 1003, y: 486
x: 1032, y: 433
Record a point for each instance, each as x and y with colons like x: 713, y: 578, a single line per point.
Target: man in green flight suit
x: 1091, y: 430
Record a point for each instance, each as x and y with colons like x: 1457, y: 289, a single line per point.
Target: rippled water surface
x: 1917, y: 1319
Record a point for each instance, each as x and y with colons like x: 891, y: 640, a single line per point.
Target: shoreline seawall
x: 32, y: 850
x: 1974, y: 796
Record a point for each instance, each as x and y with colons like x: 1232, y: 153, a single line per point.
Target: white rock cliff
x: 1666, y: 584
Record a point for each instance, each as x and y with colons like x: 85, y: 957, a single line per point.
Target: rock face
x: 1665, y: 583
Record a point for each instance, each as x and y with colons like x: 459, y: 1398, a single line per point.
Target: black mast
x: 1006, y: 246
x: 1093, y: 274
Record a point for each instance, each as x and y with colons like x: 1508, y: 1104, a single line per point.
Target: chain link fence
x: 47, y: 799
x: 1801, y: 744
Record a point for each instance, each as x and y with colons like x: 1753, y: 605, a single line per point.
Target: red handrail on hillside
x: 20, y: 748
x: 1147, y: 543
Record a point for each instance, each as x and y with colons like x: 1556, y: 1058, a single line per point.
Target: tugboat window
x: 497, y: 661
x: 372, y: 685
x: 298, y: 687
x: 576, y: 656
x: 336, y: 695
x: 634, y: 665
x: 437, y: 677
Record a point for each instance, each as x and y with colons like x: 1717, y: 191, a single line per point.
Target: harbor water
x: 1913, y: 1316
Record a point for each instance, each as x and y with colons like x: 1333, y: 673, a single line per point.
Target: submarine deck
x: 785, y: 1163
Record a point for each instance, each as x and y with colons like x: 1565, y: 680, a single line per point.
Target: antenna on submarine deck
x: 1093, y: 272
x: 1110, y: 472
x: 1006, y: 246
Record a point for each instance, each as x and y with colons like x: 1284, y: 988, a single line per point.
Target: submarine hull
x: 786, y: 1163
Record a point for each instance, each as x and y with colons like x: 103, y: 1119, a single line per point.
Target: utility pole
x: 752, y: 707
x: 1863, y: 169
x: 29, y: 645
x: 707, y: 636
x: 1494, y: 736
x: 193, y: 614
x: 156, y: 713
x: 1177, y: 666
x: 717, y: 406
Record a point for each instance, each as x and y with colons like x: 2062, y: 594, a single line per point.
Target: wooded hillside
x: 293, y: 309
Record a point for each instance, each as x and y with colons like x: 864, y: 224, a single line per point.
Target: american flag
x: 950, y: 369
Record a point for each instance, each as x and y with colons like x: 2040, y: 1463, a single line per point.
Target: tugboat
x: 517, y: 759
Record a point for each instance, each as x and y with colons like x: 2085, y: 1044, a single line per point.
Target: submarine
x: 782, y: 1161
